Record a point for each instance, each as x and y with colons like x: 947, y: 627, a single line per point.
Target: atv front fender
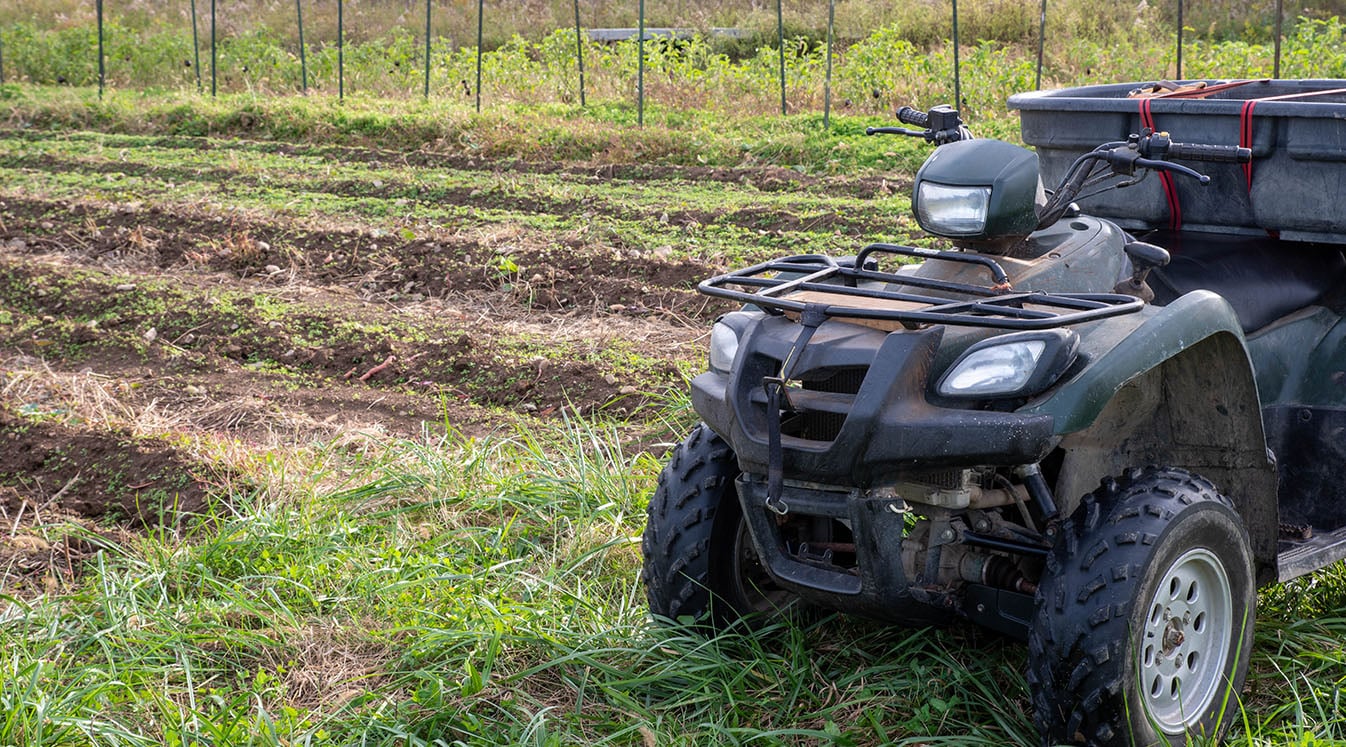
x: 1122, y: 348
x: 1172, y: 386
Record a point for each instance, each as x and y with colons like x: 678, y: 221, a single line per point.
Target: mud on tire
x: 699, y: 562
x: 1144, y: 615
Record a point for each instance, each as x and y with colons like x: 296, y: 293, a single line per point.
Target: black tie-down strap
x: 810, y: 319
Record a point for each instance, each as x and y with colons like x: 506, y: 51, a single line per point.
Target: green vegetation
x: 461, y: 591
x: 889, y: 54
x: 482, y: 588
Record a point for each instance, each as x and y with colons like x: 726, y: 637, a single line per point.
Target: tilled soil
x: 259, y: 298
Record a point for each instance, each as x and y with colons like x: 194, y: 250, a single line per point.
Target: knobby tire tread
x: 1077, y: 643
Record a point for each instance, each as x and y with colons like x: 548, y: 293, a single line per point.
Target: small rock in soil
x: 150, y: 335
x: 126, y: 287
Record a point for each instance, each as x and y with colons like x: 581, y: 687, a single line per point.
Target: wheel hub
x: 1185, y: 640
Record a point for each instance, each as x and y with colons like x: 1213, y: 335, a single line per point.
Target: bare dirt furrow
x: 559, y: 276
x: 193, y: 330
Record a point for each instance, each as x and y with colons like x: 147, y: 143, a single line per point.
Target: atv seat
x: 1262, y: 277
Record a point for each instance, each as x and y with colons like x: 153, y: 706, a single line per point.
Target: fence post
x: 481, y: 9
x: 1042, y: 35
x: 1178, y: 73
x: 640, y: 70
x: 303, y: 55
x: 341, y: 50
x: 212, y: 49
x: 579, y: 51
x: 427, y: 49
x: 780, y: 39
x: 99, y: 8
x: 827, y: 79
x: 1275, y: 68
x: 196, y: 49
x: 2, y: 58
x: 957, y: 76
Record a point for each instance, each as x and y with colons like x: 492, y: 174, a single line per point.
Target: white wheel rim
x: 1185, y: 644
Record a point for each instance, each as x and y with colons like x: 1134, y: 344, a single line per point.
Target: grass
x: 482, y: 591
x: 450, y: 589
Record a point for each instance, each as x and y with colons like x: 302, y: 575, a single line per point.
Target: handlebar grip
x: 1200, y: 152
x: 913, y: 117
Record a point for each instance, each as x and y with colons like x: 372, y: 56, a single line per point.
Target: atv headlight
x: 723, y: 347
x: 1016, y: 365
x: 952, y: 211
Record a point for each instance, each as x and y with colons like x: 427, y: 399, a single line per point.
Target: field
x: 336, y: 424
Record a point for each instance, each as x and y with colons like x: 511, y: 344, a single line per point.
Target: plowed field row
x: 267, y: 293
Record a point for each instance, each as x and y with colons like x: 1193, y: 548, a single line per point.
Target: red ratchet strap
x: 1246, y: 137
x: 1202, y: 91
x: 1170, y: 192
x: 1246, y: 120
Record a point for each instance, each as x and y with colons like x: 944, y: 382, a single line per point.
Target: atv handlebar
x: 1148, y: 151
x: 913, y: 117
x: 941, y: 125
x: 1215, y: 153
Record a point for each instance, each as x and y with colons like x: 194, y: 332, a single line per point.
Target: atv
x: 1096, y: 439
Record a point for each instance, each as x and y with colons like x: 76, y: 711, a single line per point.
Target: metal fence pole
x: 426, y: 92
x: 196, y: 49
x: 1178, y: 73
x: 1042, y: 36
x: 1280, y: 18
x: 2, y: 59
x: 780, y: 39
x: 827, y: 78
x: 481, y: 11
x: 212, y: 49
x: 341, y: 50
x: 101, y: 71
x: 640, y: 70
x: 957, y: 78
x: 579, y: 51
x: 303, y: 54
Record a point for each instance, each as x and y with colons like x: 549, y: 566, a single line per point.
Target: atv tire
x: 700, y: 566
x: 1144, y: 617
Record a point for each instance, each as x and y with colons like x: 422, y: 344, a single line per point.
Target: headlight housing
x: 723, y: 347
x: 1014, y: 365
x: 725, y: 336
x: 978, y: 190
x: 949, y: 210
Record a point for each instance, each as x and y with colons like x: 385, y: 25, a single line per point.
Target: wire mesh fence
x: 574, y: 63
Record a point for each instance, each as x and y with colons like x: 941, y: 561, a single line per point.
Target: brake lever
x: 897, y: 131
x: 1170, y: 166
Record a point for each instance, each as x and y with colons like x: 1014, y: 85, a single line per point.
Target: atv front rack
x: 791, y: 285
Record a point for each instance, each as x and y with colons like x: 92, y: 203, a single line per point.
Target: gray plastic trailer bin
x: 1296, y: 185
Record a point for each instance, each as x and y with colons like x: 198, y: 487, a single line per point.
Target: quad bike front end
x: 879, y: 465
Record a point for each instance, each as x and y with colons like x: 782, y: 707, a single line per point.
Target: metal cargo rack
x: 818, y: 283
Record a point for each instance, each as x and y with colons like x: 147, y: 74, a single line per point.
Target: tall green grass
x: 452, y: 590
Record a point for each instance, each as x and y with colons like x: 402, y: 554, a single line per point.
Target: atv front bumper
x: 871, y: 436
x: 843, y: 448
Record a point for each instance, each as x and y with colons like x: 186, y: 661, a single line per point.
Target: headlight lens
x: 723, y: 347
x: 952, y: 211
x: 997, y: 369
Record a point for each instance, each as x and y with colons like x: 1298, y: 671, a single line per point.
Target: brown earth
x: 127, y: 323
